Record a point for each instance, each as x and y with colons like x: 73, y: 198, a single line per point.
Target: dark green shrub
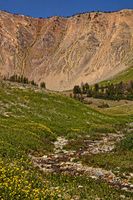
x: 43, y: 85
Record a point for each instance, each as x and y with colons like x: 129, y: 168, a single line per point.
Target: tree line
x: 24, y: 80
x: 110, y: 91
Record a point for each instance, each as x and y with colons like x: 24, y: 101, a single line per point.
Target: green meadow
x: 31, y: 119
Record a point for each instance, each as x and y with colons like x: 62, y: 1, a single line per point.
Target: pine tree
x: 43, y: 85
x: 76, y: 91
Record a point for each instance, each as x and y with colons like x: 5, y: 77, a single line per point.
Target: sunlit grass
x: 30, y: 121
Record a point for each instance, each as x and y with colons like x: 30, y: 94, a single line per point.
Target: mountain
x: 88, y: 47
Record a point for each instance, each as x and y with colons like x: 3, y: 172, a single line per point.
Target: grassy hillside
x: 119, y: 108
x: 124, y: 76
x: 30, y: 120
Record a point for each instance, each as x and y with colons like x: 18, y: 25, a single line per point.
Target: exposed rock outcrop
x: 66, y: 51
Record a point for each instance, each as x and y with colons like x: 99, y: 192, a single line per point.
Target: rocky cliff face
x: 66, y: 51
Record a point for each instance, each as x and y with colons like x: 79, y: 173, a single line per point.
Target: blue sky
x: 45, y: 8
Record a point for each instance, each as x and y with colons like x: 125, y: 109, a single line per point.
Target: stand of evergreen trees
x: 24, y: 80
x: 110, y: 91
x: 21, y: 79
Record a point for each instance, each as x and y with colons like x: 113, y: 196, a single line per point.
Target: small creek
x: 63, y: 161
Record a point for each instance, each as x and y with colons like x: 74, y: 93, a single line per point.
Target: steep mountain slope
x: 66, y: 51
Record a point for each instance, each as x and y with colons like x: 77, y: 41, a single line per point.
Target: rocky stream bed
x: 65, y: 161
